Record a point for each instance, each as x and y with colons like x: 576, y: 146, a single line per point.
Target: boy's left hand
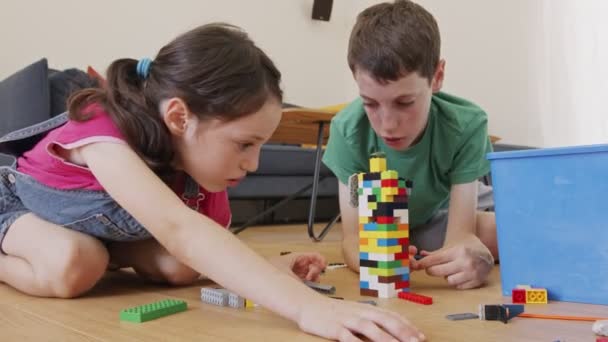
x: 305, y: 266
x: 464, y: 263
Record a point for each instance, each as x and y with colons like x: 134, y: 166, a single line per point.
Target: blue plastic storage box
x: 552, y: 221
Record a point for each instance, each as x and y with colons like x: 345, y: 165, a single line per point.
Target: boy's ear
x: 437, y: 82
x: 176, y: 115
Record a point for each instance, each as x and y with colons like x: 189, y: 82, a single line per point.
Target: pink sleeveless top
x: 44, y: 165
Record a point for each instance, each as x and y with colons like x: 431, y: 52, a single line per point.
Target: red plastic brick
x: 602, y: 339
x: 402, y: 256
x: 402, y: 284
x: 416, y: 298
x: 403, y: 241
x: 385, y: 219
x: 518, y: 296
x: 389, y: 183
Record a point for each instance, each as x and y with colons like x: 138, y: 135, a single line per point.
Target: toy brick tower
x: 383, y: 230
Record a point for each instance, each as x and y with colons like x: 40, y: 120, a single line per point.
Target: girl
x: 198, y: 114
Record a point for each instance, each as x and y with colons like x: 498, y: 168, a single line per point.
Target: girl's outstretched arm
x: 200, y: 243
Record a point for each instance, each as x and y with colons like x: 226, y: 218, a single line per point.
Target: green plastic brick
x: 390, y: 264
x: 386, y: 227
x: 152, y: 311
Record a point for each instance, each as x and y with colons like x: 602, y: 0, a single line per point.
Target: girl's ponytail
x: 137, y: 116
x: 135, y: 108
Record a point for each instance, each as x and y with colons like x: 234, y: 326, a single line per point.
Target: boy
x: 437, y: 140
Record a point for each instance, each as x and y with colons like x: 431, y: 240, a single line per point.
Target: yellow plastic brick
x: 381, y: 250
x: 364, y: 219
x: 386, y: 198
x: 384, y: 235
x: 536, y: 296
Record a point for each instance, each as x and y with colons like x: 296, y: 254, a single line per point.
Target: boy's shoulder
x: 456, y: 112
x: 350, y: 115
x: 351, y: 121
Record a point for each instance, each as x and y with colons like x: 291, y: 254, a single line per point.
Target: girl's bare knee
x: 176, y: 273
x: 82, y: 264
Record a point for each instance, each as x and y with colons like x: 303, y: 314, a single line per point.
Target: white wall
x: 495, y: 51
x: 310, y: 53
x: 485, y: 44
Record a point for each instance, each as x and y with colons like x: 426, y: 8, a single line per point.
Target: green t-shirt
x: 452, y: 151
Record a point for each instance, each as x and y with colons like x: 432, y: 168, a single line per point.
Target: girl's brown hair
x: 216, y: 69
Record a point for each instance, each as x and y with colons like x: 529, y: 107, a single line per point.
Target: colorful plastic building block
x: 416, y: 298
x: 236, y: 301
x: 536, y: 296
x: 147, y: 312
x: 462, y: 316
x: 327, y: 289
x: 213, y: 296
x: 377, y: 163
x: 383, y: 230
x: 223, y: 297
x: 530, y: 295
x: 518, y: 296
x: 525, y: 294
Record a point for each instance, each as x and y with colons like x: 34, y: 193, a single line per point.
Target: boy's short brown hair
x: 390, y: 40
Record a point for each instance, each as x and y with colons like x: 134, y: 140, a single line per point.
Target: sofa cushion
x: 101, y: 81
x: 63, y: 84
x: 291, y: 160
x: 24, y: 97
x: 256, y: 186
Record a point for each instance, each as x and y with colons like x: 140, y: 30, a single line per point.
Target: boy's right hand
x: 348, y: 321
x: 465, y: 264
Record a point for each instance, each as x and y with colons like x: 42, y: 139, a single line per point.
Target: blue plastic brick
x: 388, y: 242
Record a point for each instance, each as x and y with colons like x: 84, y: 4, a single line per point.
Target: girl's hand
x: 350, y: 321
x: 305, y: 266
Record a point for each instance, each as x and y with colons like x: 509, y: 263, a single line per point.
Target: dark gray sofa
x: 36, y: 93
x: 282, y: 171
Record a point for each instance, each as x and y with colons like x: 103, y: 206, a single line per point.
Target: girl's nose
x: 251, y: 163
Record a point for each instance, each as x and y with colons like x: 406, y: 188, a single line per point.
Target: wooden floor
x: 95, y: 316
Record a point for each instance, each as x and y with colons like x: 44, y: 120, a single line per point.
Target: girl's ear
x: 176, y: 116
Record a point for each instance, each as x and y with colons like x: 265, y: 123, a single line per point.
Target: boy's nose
x: 390, y: 122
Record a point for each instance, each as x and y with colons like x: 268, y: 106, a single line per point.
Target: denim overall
x: 91, y: 212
